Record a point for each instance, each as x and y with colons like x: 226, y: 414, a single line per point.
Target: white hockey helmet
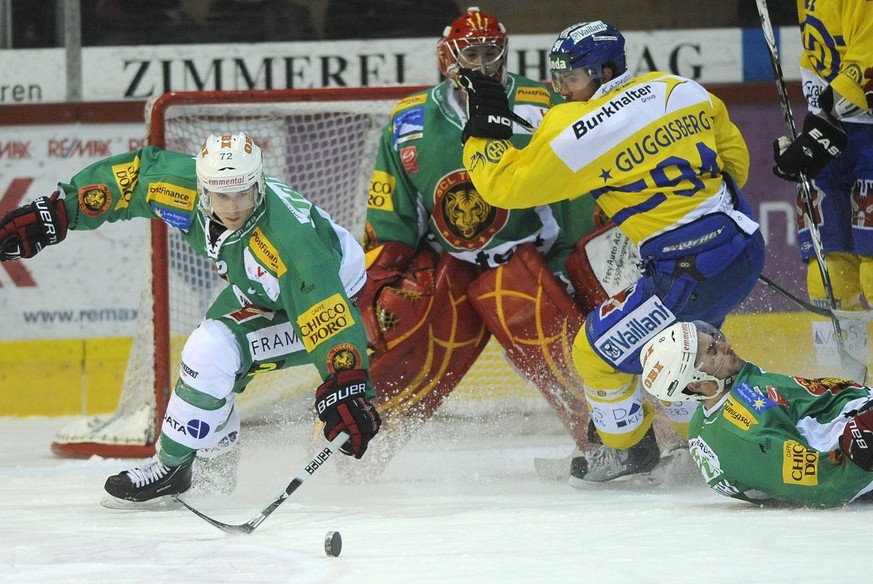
x: 669, y: 362
x: 229, y: 163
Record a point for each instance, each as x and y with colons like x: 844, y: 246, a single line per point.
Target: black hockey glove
x: 26, y: 230
x: 341, y: 403
x: 488, y: 113
x: 821, y: 140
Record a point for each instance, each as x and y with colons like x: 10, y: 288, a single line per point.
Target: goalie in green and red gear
x: 446, y: 268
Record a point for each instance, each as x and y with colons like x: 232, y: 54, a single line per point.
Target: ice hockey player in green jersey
x: 763, y: 437
x: 291, y: 273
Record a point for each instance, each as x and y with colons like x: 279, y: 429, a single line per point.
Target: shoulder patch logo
x: 343, y: 356
x: 95, y: 200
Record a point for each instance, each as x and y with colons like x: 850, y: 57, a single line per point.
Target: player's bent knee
x: 211, y: 359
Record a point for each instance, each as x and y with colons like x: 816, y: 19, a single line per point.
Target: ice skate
x: 606, y: 464
x: 150, y: 485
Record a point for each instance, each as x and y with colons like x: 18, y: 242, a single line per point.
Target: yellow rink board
x: 84, y: 376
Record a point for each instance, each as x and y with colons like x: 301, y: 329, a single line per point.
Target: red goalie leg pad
x: 857, y: 439
x: 530, y: 312
x: 433, y: 336
x: 603, y: 263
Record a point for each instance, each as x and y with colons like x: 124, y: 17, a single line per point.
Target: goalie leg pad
x: 603, y: 263
x: 529, y: 312
x: 432, y: 334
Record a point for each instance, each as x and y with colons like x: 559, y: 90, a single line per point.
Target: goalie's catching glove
x: 488, y: 113
x: 25, y: 231
x: 341, y: 403
x: 821, y: 140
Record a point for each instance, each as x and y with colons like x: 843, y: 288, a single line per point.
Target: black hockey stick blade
x: 798, y: 301
x: 250, y: 525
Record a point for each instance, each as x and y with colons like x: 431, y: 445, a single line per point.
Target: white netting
x: 326, y: 151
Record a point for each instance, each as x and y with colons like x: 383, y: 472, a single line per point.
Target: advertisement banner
x: 723, y: 55
x: 89, y: 285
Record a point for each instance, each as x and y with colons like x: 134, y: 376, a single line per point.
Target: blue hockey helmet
x: 589, y: 46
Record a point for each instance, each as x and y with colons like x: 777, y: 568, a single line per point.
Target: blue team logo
x: 408, y: 125
x: 753, y: 398
x: 197, y: 428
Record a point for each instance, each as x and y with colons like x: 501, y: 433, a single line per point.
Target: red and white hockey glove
x: 857, y: 438
x: 25, y: 231
x: 342, y: 404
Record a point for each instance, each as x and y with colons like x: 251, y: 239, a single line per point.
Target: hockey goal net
x: 323, y: 143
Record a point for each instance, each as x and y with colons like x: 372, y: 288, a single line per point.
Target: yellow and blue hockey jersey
x: 837, y: 38
x: 652, y: 150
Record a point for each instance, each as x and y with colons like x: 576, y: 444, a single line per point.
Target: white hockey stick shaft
x: 307, y: 471
x: 854, y: 367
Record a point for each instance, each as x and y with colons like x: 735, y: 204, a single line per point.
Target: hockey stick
x: 857, y: 369
x: 250, y: 525
x: 865, y: 315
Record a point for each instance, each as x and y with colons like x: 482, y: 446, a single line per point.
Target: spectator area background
x: 130, y: 22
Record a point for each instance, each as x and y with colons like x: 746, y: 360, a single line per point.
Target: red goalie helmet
x: 475, y: 40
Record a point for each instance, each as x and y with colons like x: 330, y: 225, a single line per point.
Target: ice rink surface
x: 461, y: 503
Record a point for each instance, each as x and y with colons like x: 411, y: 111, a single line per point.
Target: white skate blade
x: 165, y: 503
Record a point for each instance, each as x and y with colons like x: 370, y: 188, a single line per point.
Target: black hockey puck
x: 333, y: 543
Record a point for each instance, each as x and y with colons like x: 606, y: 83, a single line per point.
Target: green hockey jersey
x: 420, y: 192
x: 288, y: 256
x: 775, y: 438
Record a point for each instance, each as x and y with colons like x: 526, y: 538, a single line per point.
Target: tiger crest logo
x: 462, y: 216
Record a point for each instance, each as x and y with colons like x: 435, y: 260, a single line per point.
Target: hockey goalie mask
x: 230, y: 178
x: 581, y: 51
x: 670, y: 362
x: 475, y: 40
